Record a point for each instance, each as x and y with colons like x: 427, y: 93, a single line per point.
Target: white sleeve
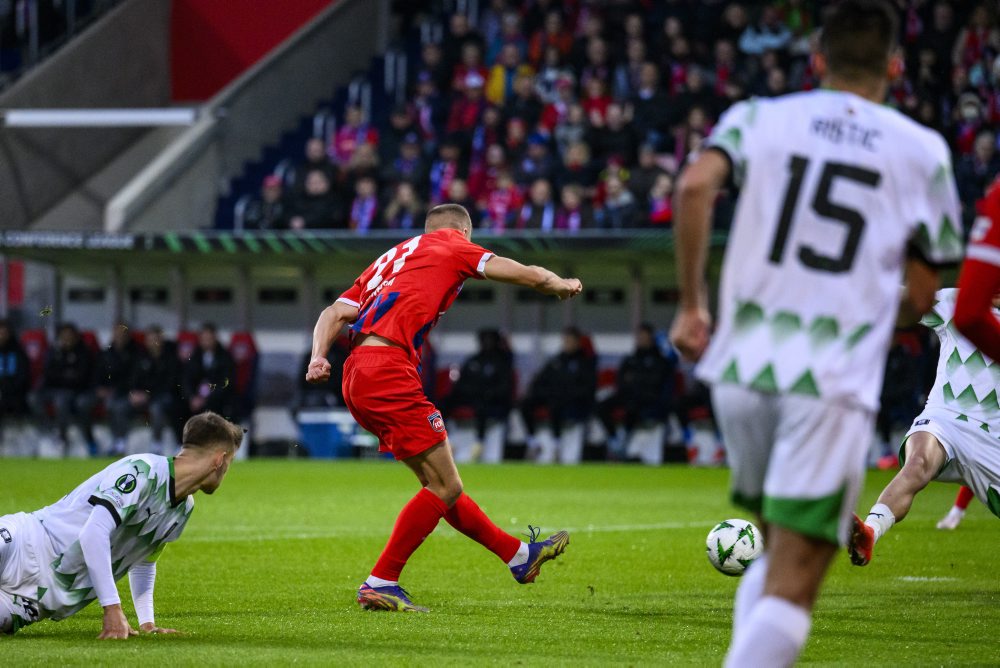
x: 141, y: 579
x: 95, y: 542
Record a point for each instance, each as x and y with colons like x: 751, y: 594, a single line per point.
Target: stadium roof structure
x: 313, y: 248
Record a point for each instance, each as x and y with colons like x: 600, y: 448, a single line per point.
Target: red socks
x: 415, y: 522
x: 468, y: 518
x: 964, y: 498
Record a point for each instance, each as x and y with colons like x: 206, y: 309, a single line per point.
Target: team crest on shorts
x: 437, y: 422
x: 5, y: 535
x: 919, y: 423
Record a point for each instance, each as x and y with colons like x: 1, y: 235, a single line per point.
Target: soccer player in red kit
x: 979, y: 282
x: 390, y: 309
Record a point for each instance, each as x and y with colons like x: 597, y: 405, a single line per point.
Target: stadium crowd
x: 548, y: 115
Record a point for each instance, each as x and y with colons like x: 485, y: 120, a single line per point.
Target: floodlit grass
x: 267, y: 570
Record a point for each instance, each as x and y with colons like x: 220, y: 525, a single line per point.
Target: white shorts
x: 20, y: 537
x: 972, y: 449
x: 797, y: 461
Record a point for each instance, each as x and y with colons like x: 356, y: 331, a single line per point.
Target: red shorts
x: 383, y: 391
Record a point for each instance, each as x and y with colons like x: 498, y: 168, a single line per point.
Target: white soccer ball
x: 733, y: 545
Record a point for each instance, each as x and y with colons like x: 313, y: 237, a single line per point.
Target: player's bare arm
x: 699, y: 186
x: 505, y: 270
x: 331, y: 322
x: 917, y: 296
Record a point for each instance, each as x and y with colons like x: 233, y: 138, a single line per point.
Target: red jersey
x: 404, y: 293
x: 980, y: 278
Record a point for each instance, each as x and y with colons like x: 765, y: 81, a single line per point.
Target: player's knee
x: 451, y: 490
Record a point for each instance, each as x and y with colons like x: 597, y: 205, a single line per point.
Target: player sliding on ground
x: 55, y: 561
x: 835, y: 188
x: 955, y: 438
x: 391, y: 308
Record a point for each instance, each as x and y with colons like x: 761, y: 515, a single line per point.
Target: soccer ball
x: 733, y: 545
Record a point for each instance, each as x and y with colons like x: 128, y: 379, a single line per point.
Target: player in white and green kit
x: 55, y: 561
x: 955, y: 439
x: 839, y: 195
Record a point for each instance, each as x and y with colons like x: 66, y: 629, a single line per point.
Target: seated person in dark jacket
x: 155, y: 386
x: 485, y: 383
x: 15, y: 375
x: 209, y: 375
x: 67, y: 385
x: 318, y: 206
x: 330, y: 393
x: 115, y: 369
x: 565, y: 386
x: 270, y: 210
x: 645, y: 381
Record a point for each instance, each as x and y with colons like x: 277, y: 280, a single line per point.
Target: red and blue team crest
x: 437, y: 422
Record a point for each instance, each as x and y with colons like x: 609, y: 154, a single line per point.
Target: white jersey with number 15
x: 834, y: 189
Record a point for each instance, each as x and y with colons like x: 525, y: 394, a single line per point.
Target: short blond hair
x: 448, y: 216
x: 208, y: 429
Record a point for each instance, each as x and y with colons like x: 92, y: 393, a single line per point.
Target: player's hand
x: 149, y: 627
x: 116, y: 627
x: 569, y: 288
x: 690, y: 331
x: 319, y: 370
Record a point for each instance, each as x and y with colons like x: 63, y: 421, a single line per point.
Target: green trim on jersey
x: 816, y: 518
x: 993, y: 501
x: 751, y: 503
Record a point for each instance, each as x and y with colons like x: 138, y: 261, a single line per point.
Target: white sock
x: 773, y: 635
x: 881, y: 519
x: 373, y: 581
x: 521, y: 558
x: 957, y: 512
x: 749, y: 592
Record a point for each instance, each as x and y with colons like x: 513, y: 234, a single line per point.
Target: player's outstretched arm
x: 505, y: 270
x: 696, y: 192
x: 331, y: 322
x: 95, y: 543
x: 141, y: 580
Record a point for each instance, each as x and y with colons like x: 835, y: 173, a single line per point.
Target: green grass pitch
x: 267, y: 570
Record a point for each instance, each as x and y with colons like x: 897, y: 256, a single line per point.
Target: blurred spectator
x: 471, y: 63
x: 502, y: 203
x: 598, y: 66
x: 364, y: 208
x: 408, y: 165
x: 491, y: 23
x: 592, y: 28
x: 458, y: 193
x: 502, y: 76
x: 485, y: 383
x: 552, y: 71
x: 67, y: 388
x: 316, y: 160
x: 643, y: 390
x: 488, y: 132
x: 324, y: 395
x: 644, y: 175
x: 661, y: 201
x: 317, y: 207
x: 595, y: 102
x: 15, y: 376
x: 516, y: 140
x: 626, y: 75
x: 155, y: 386
x: 354, y: 132
x: 446, y: 169
x: 577, y: 169
x: 767, y: 34
x: 510, y: 33
x: 400, y: 127
x: 484, y: 173
x: 649, y: 107
x: 404, y: 211
x: 979, y: 39
x: 620, y: 209
x: 574, y: 214
x: 523, y: 103
x: 429, y: 109
x: 432, y: 66
x: 564, y: 387
x: 269, y: 211
x: 539, y: 213
x: 974, y: 172
x: 616, y: 140
x: 572, y: 129
x: 460, y: 34
x: 558, y: 108
x: 209, y: 375
x: 364, y: 163
x: 552, y: 35
x: 467, y: 107
x: 115, y: 372
x: 941, y: 36
x: 898, y: 403
x: 536, y: 163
